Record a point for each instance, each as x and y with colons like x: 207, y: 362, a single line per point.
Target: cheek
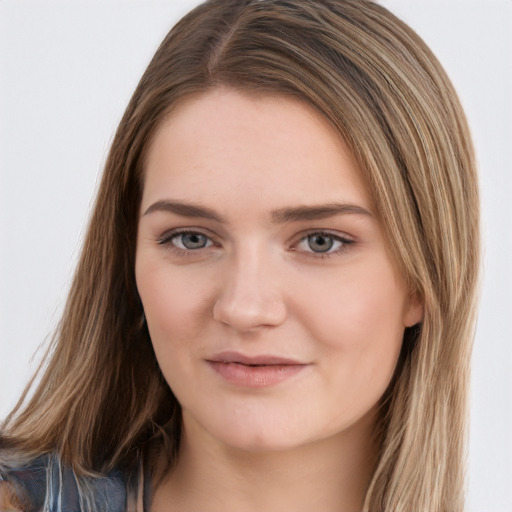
x: 358, y: 319
x: 361, y: 332
x: 363, y: 299
x: 174, y: 307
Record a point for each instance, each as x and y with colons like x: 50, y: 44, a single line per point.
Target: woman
x: 275, y: 301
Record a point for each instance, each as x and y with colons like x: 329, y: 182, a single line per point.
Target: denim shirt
x: 47, y: 486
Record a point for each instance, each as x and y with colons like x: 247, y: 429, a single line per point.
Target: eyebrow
x: 280, y: 216
x: 302, y: 213
x: 185, y: 210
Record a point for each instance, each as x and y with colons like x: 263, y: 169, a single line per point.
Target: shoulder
x: 8, y: 499
x: 44, y: 483
x: 22, y: 484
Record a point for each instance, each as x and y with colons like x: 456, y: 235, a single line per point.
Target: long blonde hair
x: 102, y: 402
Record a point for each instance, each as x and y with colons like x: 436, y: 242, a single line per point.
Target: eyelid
x: 342, y: 236
x: 345, y: 240
x: 165, y: 239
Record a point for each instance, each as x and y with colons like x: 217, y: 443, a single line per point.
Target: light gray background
x: 67, y: 70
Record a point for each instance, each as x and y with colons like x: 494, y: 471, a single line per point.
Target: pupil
x: 193, y: 241
x: 320, y: 243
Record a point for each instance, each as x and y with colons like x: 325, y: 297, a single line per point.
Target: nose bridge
x: 250, y: 295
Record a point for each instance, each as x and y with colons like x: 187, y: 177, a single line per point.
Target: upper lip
x: 259, y: 360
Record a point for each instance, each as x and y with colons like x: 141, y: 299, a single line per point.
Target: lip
x: 254, y: 371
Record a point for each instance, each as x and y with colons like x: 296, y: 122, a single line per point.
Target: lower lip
x: 255, y: 376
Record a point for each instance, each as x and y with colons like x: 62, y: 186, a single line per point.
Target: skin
x: 258, y: 286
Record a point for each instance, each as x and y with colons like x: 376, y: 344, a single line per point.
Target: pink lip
x: 254, y: 371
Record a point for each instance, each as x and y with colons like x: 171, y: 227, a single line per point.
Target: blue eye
x: 322, y: 243
x: 192, y: 241
x: 187, y: 241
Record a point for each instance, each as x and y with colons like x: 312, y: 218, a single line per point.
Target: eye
x: 320, y: 243
x: 191, y: 241
x: 186, y: 240
x: 323, y: 243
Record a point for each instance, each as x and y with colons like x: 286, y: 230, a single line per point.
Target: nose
x: 251, y: 295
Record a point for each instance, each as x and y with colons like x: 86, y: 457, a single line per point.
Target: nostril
x: 248, y: 313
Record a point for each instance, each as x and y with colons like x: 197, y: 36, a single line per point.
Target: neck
x: 330, y: 475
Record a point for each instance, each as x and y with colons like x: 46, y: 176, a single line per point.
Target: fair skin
x: 277, y: 317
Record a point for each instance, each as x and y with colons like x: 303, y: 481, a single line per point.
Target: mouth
x: 254, y: 371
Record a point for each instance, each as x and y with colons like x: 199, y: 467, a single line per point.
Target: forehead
x: 225, y: 143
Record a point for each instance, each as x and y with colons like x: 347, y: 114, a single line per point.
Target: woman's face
x: 275, y: 311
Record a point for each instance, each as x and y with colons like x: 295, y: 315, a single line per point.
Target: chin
x: 262, y: 443
x: 265, y: 436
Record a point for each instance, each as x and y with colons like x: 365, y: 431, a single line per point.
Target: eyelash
x: 167, y: 238
x: 345, y: 243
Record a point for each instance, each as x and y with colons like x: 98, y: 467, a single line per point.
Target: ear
x: 413, y: 313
